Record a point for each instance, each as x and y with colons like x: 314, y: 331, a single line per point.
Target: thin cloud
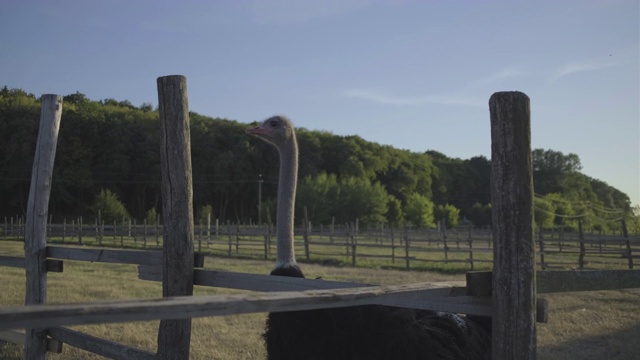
x: 501, y: 75
x: 581, y: 67
x: 381, y: 98
x: 296, y: 11
x: 492, y: 80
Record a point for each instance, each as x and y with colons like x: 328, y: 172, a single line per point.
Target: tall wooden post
x: 177, y: 204
x: 512, y: 212
x: 36, y: 222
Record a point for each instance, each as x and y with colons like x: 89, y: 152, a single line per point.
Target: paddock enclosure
x: 506, y: 296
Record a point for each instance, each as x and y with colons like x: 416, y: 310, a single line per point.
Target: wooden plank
x: 12, y: 261
x: 430, y: 297
x: 97, y: 345
x: 259, y: 282
x: 586, y: 280
x: 54, y: 265
x: 37, y: 215
x: 556, y: 281
x: 11, y: 336
x: 514, y: 323
x: 18, y: 338
x: 174, y: 336
x: 266, y: 283
x: 141, y: 257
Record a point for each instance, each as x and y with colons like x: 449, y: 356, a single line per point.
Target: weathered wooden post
x: 582, y: 249
x: 625, y: 235
x: 177, y: 204
x: 307, y: 233
x: 512, y: 212
x: 35, y: 233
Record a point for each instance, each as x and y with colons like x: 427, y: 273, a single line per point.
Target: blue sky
x: 413, y: 74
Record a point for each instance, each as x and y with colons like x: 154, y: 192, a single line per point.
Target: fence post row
x: 512, y: 216
x: 177, y: 203
x: 36, y: 222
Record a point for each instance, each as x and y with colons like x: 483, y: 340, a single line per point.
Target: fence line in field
x: 556, y: 248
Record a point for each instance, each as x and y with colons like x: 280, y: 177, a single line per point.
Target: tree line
x: 108, y: 153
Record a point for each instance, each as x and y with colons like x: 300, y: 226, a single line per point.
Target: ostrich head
x: 278, y: 131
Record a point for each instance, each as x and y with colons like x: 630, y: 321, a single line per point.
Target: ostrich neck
x: 286, y: 201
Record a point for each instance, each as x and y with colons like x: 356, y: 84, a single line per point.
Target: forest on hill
x: 108, y: 159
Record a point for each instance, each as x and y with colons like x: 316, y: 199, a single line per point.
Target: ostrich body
x: 356, y: 332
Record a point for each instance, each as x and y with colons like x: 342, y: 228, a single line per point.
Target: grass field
x: 588, y: 325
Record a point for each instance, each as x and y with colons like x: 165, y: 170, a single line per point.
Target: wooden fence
x: 512, y: 305
x: 462, y: 248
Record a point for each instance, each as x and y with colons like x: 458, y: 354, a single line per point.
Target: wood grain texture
x: 177, y: 205
x: 419, y: 295
x: 141, y: 257
x: 36, y: 219
x: 512, y: 216
x: 98, y: 346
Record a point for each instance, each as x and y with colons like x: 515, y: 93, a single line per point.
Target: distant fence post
x: 36, y: 223
x: 541, y: 242
x: 177, y: 203
x: 625, y: 235
x: 512, y: 216
x: 582, y: 249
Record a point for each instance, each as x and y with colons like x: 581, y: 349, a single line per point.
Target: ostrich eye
x: 273, y: 123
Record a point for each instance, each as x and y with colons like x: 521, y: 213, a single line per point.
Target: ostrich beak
x: 257, y: 131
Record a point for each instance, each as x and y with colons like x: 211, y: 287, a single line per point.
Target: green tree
x: 110, y: 207
x: 633, y: 221
x: 550, y: 169
x: 566, y: 214
x: 203, y: 213
x: 394, y: 211
x: 419, y: 211
x: 320, y: 195
x: 449, y: 213
x: 544, y: 212
x: 480, y: 215
x: 361, y: 199
x: 152, y: 216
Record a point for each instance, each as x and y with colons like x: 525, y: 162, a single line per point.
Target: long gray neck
x: 286, y: 200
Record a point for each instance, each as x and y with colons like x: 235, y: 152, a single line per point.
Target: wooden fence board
x: 556, y: 281
x: 586, y: 280
x: 97, y: 345
x: 12, y: 261
x: 431, y: 297
x: 140, y: 257
x: 266, y: 283
x: 18, y: 338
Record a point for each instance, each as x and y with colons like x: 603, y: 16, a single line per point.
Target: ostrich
x: 356, y: 332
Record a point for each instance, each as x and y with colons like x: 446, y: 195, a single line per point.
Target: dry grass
x: 591, y: 325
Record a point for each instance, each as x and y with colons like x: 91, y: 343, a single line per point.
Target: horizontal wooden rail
x: 18, y: 262
x: 586, y: 280
x: 18, y: 338
x: 268, y: 283
x: 97, y: 345
x: 12, y: 261
x: 141, y: 257
x: 569, y: 281
x: 430, y: 297
x: 134, y: 257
